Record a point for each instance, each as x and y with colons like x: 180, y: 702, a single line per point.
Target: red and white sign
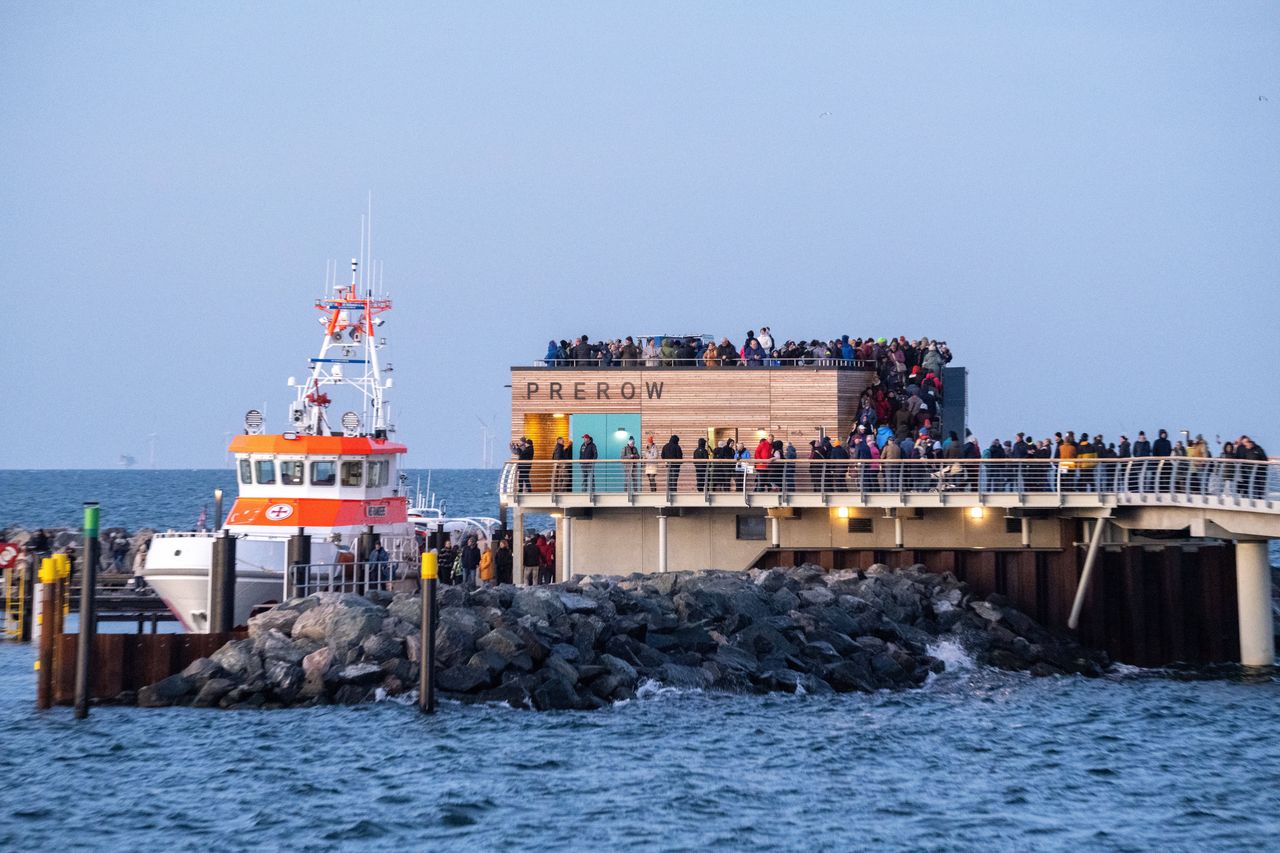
x: 279, y: 512
x: 8, y: 554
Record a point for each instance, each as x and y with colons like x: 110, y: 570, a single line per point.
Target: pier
x: 1160, y: 560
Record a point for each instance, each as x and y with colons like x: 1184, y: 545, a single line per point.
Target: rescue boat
x: 332, y: 483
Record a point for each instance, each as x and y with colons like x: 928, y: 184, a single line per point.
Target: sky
x: 1082, y: 198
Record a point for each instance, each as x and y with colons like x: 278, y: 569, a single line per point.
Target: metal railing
x: 304, y: 579
x: 698, y: 363
x: 1130, y: 479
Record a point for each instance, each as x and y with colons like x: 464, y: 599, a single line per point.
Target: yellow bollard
x: 427, y: 635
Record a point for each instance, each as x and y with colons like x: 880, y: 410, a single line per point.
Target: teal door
x: 609, y: 433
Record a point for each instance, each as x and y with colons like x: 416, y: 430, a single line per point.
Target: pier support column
x: 1073, y: 621
x: 564, y: 549
x: 775, y: 531
x: 517, y: 546
x: 1253, y: 602
x: 662, y: 542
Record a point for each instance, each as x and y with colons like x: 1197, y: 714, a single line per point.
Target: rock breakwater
x: 596, y: 640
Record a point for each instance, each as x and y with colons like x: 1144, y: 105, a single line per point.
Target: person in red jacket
x: 764, y: 450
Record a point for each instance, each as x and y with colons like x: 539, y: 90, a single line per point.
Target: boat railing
x: 303, y: 579
x: 700, y: 364
x: 1134, y: 480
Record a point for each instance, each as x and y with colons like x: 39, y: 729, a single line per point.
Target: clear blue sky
x: 1082, y: 198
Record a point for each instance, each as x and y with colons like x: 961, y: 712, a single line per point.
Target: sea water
x: 976, y: 759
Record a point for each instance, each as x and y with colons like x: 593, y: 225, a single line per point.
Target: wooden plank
x: 1173, y: 607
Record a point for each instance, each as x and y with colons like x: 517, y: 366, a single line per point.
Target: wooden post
x: 299, y: 558
x: 88, y: 611
x: 427, y: 637
x: 44, y: 666
x: 222, y: 584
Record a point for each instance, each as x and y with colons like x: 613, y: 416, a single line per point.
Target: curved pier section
x: 1162, y: 560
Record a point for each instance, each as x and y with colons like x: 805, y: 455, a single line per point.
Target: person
x: 503, y: 563
x: 561, y: 471
x: 119, y: 552
x: 1252, y: 478
x: 139, y: 582
x: 672, y: 453
x: 379, y: 563
x: 1162, y: 449
x: 525, y: 454
x: 765, y: 339
x: 651, y: 463
x: 39, y: 543
x: 470, y: 562
x: 763, y: 453
x: 446, y: 556
x: 700, y: 467
x: 546, y: 568
x: 1228, y: 452
x: 630, y: 460
x: 486, y: 571
x: 587, y: 455
x: 837, y: 468
x: 531, y: 561
x: 789, y: 468
x: 1139, y: 479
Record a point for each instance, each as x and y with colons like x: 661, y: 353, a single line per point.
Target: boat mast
x: 349, y: 356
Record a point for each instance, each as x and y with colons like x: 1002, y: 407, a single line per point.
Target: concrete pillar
x: 662, y: 543
x: 898, y: 537
x: 1026, y: 532
x: 775, y: 531
x: 564, y: 550
x: 1253, y: 602
x: 517, y: 545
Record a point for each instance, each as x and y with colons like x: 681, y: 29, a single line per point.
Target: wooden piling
x: 222, y: 584
x: 88, y: 616
x: 427, y: 638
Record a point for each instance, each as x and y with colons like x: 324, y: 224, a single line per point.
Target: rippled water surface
x: 976, y: 760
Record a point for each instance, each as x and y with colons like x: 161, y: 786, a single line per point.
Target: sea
x: 977, y: 759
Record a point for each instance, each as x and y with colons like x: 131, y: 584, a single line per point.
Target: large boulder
x: 166, y: 691
x: 240, y: 659
x: 408, y: 608
x: 540, y: 602
x: 276, y: 619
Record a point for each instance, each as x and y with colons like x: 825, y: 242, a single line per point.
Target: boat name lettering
x: 556, y: 390
x: 375, y: 511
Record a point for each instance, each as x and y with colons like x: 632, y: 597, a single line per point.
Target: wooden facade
x: 790, y: 403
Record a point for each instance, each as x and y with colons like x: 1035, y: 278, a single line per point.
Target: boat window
x: 246, y: 472
x: 291, y: 472
x: 265, y: 471
x: 352, y: 472
x: 323, y: 473
x: 378, y: 473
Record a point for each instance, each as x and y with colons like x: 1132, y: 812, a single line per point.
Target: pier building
x: 1154, y: 560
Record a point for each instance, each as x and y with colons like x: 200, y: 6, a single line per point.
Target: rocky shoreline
x: 596, y: 640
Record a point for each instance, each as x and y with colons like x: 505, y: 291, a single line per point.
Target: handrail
x: 1135, y: 479
x: 660, y: 363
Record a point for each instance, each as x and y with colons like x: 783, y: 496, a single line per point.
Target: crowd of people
x: 476, y: 562
x: 897, y: 361
x: 864, y: 460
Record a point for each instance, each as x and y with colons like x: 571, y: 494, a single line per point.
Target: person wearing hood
x: 789, y: 467
x: 700, y: 455
x: 1252, y: 478
x: 552, y: 357
x: 763, y: 452
x: 672, y: 453
x: 1162, y: 448
x: 630, y: 462
x: 668, y: 352
x: 588, y: 454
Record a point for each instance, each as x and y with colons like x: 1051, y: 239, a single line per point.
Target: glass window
x: 378, y: 473
x: 751, y: 527
x: 246, y: 471
x: 265, y: 471
x: 352, y: 472
x: 291, y: 472
x: 323, y: 473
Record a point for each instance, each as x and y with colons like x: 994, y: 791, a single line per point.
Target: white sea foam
x: 953, y: 654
